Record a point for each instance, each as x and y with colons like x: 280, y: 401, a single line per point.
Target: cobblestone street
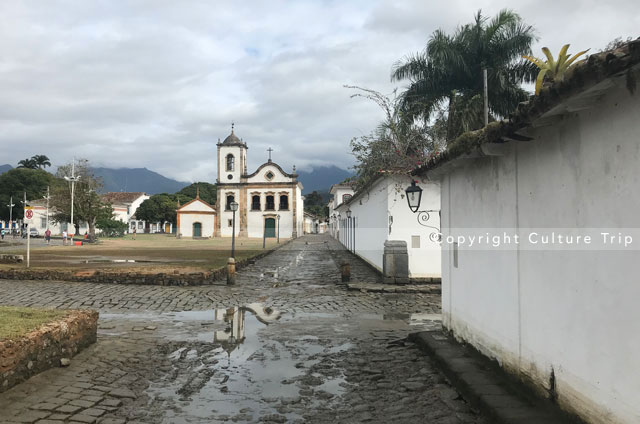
x: 287, y: 343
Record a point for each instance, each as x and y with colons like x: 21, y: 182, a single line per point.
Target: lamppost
x: 10, y: 206
x: 278, y: 216
x: 234, y: 208
x: 349, y: 235
x: 72, y: 179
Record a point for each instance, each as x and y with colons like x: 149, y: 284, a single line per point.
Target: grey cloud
x: 156, y: 83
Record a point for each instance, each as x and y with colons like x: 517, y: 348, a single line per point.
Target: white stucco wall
x: 381, y: 213
x: 573, y: 311
x: 196, y: 211
x: 239, y: 154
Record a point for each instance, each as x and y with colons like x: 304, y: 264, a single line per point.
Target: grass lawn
x: 151, y: 252
x: 17, y: 321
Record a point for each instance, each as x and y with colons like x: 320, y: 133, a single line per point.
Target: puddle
x: 242, y: 363
x: 235, y: 371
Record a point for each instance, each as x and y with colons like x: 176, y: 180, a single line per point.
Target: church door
x: 197, y: 229
x: 270, y: 227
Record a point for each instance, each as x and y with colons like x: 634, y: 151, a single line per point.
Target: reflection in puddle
x: 244, y: 369
x: 234, y: 332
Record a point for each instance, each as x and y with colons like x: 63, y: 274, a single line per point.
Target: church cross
x: 269, y: 150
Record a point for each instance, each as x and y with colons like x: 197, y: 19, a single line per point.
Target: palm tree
x: 27, y: 163
x: 450, y: 71
x: 41, y: 161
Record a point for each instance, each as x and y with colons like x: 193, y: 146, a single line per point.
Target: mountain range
x: 320, y: 179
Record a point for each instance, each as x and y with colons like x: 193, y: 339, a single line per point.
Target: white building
x: 40, y: 221
x: 125, y: 205
x: 196, y: 219
x: 270, y: 199
x: 562, y: 317
x: 340, y: 193
x: 380, y: 212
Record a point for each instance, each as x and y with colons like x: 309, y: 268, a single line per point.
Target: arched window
x: 230, y: 162
x: 270, y: 203
x: 284, y: 202
x: 255, y: 202
x: 230, y: 199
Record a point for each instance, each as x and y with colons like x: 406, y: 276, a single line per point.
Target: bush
x: 112, y: 227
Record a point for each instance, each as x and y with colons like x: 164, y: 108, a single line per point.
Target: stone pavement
x: 287, y: 343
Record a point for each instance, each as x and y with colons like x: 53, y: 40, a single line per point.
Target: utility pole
x: 47, y: 197
x: 73, y: 179
x: 10, y: 206
x: 486, y: 97
x: 24, y: 208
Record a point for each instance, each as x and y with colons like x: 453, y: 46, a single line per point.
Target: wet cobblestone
x: 341, y: 354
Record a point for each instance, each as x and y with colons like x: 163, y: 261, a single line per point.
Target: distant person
x: 86, y: 235
x: 47, y: 236
x: 64, y: 237
x: 2, y: 233
x: 134, y: 233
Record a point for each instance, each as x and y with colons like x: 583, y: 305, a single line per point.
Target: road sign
x: 28, y: 212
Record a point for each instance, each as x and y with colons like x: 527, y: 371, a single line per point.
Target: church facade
x: 270, y: 202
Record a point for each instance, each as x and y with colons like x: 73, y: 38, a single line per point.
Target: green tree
x: 396, y: 145
x: 16, y: 182
x: 41, y: 161
x: 208, y: 192
x: 28, y: 163
x: 316, y: 204
x: 87, y: 204
x: 450, y: 71
x: 161, y: 207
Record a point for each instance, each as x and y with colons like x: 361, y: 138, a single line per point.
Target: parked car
x: 33, y: 232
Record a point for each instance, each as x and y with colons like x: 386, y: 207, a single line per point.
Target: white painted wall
x: 381, y: 213
x: 203, y: 214
x: 571, y: 311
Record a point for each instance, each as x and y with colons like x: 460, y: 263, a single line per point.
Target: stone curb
x: 485, y: 385
x: 114, y: 277
x: 394, y: 288
x: 51, y: 345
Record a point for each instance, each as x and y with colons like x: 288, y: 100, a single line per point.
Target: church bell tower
x: 232, y: 159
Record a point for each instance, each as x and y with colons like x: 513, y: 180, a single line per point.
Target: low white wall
x: 187, y: 221
x: 536, y: 310
x: 382, y: 213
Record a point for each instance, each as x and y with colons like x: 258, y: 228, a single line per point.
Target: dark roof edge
x: 270, y: 163
x: 595, y: 69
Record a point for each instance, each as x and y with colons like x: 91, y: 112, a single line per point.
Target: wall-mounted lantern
x: 414, y: 196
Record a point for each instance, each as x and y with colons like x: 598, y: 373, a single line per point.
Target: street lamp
x: 414, y: 196
x: 278, y: 216
x: 234, y: 208
x: 72, y: 179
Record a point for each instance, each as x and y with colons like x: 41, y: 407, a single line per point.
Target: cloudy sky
x: 155, y: 83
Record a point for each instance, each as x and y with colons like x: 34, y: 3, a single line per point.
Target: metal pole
x: 486, y: 97
x: 73, y: 185
x: 278, y: 229
x: 233, y: 236
x: 354, y: 234
x: 11, y: 205
x: 28, y: 245
x: 48, y: 197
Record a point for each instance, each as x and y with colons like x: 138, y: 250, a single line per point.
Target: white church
x: 270, y: 202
